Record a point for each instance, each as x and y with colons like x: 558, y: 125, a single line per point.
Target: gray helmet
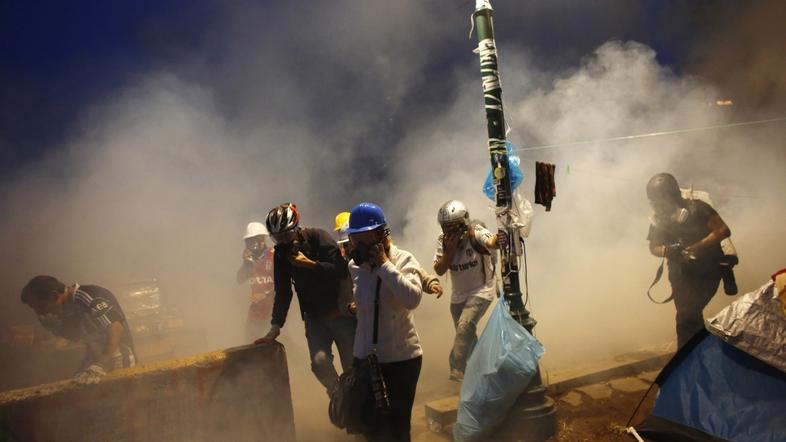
x: 453, y: 212
x: 663, y: 187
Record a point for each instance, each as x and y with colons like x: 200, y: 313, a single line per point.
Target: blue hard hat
x: 365, y: 217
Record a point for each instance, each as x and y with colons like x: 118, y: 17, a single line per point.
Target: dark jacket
x: 317, y: 289
x: 694, y: 229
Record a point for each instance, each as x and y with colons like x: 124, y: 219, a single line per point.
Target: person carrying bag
x: 375, y: 398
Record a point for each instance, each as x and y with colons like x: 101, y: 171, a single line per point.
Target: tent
x: 729, y: 382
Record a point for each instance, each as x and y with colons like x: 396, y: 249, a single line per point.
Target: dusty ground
x: 598, y: 420
x: 594, y: 413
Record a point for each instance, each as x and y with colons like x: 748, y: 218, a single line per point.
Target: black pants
x: 692, y: 292
x: 402, y: 380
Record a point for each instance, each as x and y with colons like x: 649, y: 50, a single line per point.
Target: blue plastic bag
x: 516, y: 175
x: 503, y: 363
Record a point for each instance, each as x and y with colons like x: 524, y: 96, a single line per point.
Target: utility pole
x: 533, y: 411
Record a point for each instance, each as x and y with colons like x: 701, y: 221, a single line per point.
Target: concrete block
x: 238, y: 394
x: 441, y: 413
x: 626, y: 365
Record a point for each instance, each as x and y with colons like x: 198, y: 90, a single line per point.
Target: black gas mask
x: 360, y: 252
x: 256, y: 246
x: 291, y: 248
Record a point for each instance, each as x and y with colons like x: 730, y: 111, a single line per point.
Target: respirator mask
x: 668, y: 213
x: 359, y: 252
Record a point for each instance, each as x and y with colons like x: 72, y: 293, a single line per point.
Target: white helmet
x: 453, y: 212
x: 255, y: 229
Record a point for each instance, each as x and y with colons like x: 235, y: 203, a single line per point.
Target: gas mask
x: 459, y: 228
x: 668, y: 214
x: 359, y: 252
x: 256, y: 250
x: 291, y: 249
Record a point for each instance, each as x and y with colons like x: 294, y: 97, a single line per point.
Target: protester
x: 465, y: 251
x: 84, y: 313
x: 430, y: 283
x: 342, y: 224
x: 310, y: 258
x: 387, y: 288
x: 688, y: 234
x: 257, y: 269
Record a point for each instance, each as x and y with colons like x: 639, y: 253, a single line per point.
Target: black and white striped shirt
x: 87, y: 317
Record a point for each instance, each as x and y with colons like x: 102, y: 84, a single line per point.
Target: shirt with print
x: 87, y: 317
x: 471, y: 273
x: 259, y: 274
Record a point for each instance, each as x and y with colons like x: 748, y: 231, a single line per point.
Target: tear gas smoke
x: 329, y: 106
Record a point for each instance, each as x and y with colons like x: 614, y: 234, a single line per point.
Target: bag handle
x: 376, y: 315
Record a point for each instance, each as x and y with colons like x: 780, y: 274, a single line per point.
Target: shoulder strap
x: 376, y: 313
x: 658, y: 275
x: 473, y: 241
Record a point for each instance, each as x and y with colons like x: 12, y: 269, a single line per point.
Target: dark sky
x: 58, y: 60
x: 60, y: 57
x: 136, y: 136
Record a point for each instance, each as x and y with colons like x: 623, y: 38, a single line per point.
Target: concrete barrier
x: 238, y: 394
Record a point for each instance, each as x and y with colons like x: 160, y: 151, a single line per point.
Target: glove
x: 271, y: 335
x: 90, y: 375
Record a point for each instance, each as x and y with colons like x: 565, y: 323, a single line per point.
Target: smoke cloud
x: 381, y: 101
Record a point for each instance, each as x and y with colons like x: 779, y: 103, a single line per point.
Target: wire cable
x: 650, y: 135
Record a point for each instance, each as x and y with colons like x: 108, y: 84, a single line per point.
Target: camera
x: 674, y: 250
x: 379, y: 388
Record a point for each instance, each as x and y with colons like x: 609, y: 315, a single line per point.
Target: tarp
x: 728, y: 384
x: 755, y: 324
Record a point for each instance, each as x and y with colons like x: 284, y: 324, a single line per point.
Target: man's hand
x: 91, y: 375
x: 271, y: 335
x: 247, y: 256
x: 451, y: 241
x: 688, y: 253
x: 377, y: 255
x: 302, y: 261
x: 436, y: 288
x: 352, y: 307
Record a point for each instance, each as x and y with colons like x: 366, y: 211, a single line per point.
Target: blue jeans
x: 466, y: 316
x: 320, y: 335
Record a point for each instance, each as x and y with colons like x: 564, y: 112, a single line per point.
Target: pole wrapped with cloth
x: 501, y: 170
x: 532, y: 416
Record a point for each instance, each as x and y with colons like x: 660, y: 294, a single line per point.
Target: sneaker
x: 456, y: 375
